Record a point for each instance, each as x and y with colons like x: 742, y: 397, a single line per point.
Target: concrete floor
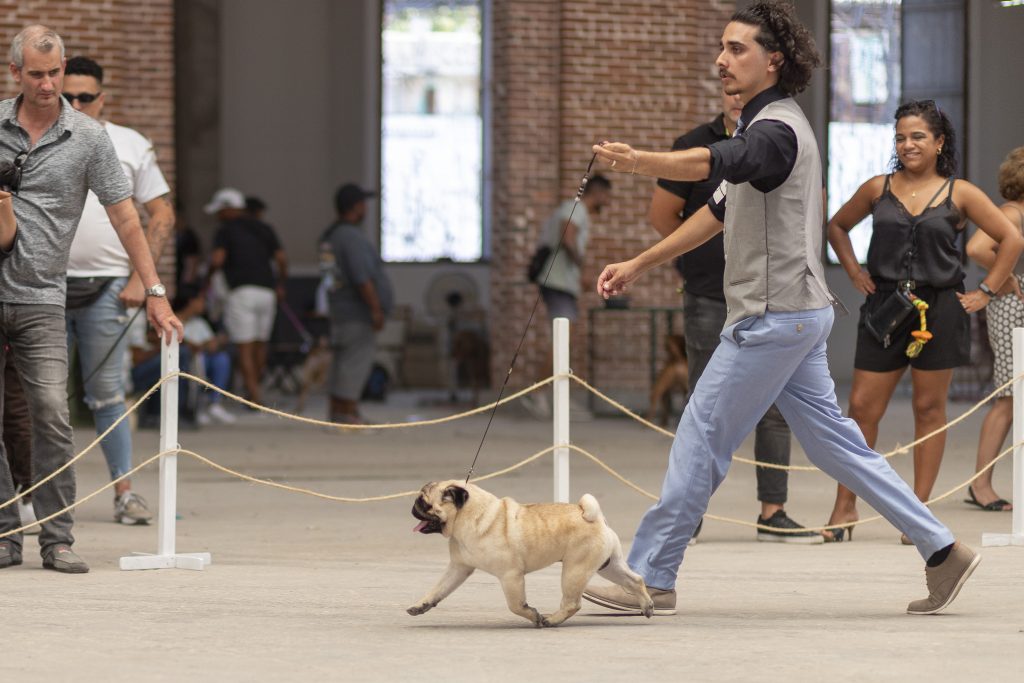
x: 303, y: 589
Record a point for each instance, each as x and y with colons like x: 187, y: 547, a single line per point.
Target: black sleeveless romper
x: 926, y: 250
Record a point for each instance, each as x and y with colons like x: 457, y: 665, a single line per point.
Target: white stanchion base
x: 995, y: 540
x: 194, y: 561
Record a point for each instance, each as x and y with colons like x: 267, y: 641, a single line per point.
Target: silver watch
x: 157, y: 290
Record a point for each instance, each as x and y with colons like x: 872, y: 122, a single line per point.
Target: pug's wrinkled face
x: 437, y: 506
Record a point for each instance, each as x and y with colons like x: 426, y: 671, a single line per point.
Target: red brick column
x: 569, y: 73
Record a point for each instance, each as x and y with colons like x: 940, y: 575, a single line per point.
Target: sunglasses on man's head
x: 83, y: 97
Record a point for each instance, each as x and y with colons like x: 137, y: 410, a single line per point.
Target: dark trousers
x: 703, y: 320
x: 38, y: 334
x: 17, y: 427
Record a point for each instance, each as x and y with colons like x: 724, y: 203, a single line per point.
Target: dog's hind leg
x: 514, y: 587
x: 452, y: 578
x: 618, y: 572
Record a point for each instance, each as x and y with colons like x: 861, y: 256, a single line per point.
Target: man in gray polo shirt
x: 60, y: 155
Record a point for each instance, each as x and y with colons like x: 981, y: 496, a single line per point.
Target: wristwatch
x: 987, y: 290
x: 157, y: 290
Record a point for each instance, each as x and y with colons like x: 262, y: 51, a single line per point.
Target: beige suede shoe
x: 618, y: 598
x: 946, y: 580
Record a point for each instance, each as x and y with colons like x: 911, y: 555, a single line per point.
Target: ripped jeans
x: 92, y: 330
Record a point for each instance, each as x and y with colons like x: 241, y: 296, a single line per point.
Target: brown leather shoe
x: 618, y: 598
x: 61, y: 558
x: 946, y: 580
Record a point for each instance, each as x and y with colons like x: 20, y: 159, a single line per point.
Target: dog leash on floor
x: 536, y: 303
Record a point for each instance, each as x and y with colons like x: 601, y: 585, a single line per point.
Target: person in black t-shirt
x: 704, y: 316
x: 245, y: 249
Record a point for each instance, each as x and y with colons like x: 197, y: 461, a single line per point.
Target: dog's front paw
x: 417, y: 610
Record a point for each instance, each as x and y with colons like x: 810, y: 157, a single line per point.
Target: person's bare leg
x: 260, y: 358
x: 869, y: 397
x: 931, y: 387
x: 994, y: 429
x: 247, y: 365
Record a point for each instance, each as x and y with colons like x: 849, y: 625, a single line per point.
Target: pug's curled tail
x: 591, y: 510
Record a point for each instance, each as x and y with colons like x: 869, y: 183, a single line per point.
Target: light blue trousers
x: 780, y: 358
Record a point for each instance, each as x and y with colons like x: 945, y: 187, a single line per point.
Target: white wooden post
x: 1016, y: 536
x: 560, y: 358
x: 166, y: 557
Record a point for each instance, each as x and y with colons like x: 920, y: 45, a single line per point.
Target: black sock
x: 940, y: 556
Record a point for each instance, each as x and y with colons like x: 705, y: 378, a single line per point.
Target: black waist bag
x: 84, y: 291
x: 889, y: 316
x: 540, y: 257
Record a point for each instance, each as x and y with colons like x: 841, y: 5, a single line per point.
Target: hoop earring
x: 938, y: 152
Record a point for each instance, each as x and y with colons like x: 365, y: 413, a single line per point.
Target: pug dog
x: 509, y: 540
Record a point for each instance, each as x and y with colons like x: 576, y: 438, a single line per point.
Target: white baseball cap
x: 225, y: 198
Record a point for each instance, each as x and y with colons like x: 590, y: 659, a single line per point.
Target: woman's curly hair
x: 940, y: 125
x: 1011, y: 176
x: 781, y: 31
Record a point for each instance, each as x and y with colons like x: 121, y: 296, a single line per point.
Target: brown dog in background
x: 675, y: 375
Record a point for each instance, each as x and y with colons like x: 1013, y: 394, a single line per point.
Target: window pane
x: 431, y: 131
x: 865, y: 83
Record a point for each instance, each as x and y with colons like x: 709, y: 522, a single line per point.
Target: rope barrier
x: 900, y: 450
x: 522, y: 463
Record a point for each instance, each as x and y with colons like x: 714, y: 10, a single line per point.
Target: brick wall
x: 133, y: 40
x: 567, y: 73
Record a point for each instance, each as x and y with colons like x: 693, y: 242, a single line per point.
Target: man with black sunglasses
x: 66, y: 154
x: 100, y: 270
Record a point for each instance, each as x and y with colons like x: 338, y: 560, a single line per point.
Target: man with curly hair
x: 779, y: 314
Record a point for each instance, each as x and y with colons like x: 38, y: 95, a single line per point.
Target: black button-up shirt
x: 702, y: 268
x: 762, y: 154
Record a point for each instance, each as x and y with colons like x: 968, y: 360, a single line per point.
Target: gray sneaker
x: 618, y: 598
x: 131, y: 508
x: 60, y: 558
x: 9, y: 554
x: 946, y: 580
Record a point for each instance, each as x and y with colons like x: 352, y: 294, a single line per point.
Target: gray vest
x: 773, y: 240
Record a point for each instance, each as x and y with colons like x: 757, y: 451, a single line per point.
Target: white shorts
x: 249, y: 313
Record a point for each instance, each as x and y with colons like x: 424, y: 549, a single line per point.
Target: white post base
x: 195, y: 561
x: 996, y: 540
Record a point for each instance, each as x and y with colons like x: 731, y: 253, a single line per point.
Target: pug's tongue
x: 419, y: 527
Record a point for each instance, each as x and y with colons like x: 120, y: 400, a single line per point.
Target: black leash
x: 536, y: 303
x: 109, y: 351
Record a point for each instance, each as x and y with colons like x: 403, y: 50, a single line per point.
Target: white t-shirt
x: 198, y: 331
x: 96, y: 249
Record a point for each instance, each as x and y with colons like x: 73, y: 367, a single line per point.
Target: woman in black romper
x: 919, y: 213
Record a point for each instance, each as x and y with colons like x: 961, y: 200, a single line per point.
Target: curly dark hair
x: 781, y: 31
x: 1011, y: 176
x: 940, y: 125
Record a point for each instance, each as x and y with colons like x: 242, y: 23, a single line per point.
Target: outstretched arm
x: 697, y: 230
x: 684, y: 164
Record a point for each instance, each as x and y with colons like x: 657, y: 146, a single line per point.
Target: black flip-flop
x: 995, y: 506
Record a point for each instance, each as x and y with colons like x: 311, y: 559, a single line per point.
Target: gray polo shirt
x: 74, y: 156
x: 355, y: 261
